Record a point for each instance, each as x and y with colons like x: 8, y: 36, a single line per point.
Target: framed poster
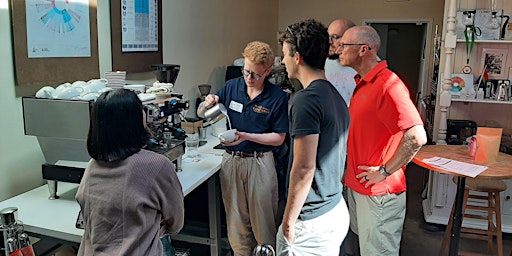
x: 147, y: 14
x: 38, y: 26
x: 495, y: 62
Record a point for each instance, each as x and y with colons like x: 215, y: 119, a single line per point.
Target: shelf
x: 483, y: 101
x: 488, y: 41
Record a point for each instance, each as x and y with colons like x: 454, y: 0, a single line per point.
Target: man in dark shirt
x: 316, y: 218
x: 258, y: 110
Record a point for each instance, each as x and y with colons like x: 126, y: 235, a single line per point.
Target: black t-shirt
x: 320, y: 109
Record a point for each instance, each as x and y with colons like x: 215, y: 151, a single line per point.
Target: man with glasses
x: 248, y: 178
x: 386, y: 131
x: 341, y: 77
x: 316, y: 218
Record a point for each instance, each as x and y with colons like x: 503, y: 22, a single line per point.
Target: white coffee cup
x: 45, y: 92
x: 79, y: 84
x: 101, y: 80
x: 62, y: 87
x: 94, y: 85
x: 90, y: 96
x: 66, y: 93
x: 228, y: 136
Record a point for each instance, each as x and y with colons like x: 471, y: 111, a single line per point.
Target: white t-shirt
x: 341, y: 77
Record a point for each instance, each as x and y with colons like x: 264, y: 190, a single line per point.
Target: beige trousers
x: 378, y: 221
x: 249, y: 193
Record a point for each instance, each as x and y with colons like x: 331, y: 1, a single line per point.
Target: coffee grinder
x: 166, y: 73
x: 204, y: 89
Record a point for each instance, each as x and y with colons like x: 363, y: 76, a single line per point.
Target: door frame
x: 426, y: 65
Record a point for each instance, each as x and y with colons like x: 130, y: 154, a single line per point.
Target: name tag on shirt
x: 238, y: 107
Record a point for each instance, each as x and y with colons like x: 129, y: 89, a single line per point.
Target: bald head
x: 360, y: 47
x: 340, y: 26
x: 366, y: 35
x: 336, y: 30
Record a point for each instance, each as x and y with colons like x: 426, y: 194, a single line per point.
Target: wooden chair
x: 490, y: 212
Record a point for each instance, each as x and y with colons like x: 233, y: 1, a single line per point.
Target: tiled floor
x: 416, y: 240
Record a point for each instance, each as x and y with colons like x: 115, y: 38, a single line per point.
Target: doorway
x: 403, y: 46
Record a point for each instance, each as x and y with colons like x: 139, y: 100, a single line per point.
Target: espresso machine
x: 61, y: 128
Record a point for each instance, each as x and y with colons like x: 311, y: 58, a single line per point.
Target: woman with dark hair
x: 128, y: 196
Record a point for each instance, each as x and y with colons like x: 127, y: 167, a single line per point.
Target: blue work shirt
x: 266, y: 113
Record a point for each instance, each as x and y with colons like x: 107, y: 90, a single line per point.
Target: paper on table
x: 471, y: 170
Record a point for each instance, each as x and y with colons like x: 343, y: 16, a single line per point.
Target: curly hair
x: 259, y: 53
x: 310, y: 39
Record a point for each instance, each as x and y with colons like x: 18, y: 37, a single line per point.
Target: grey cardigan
x: 128, y: 205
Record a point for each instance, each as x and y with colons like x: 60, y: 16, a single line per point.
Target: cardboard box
x: 191, y: 127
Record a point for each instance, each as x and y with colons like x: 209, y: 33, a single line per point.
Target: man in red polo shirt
x: 385, y: 133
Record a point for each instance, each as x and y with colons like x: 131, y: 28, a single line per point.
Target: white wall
x: 291, y: 11
x: 20, y: 157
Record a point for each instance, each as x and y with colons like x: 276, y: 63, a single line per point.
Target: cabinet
x: 440, y: 188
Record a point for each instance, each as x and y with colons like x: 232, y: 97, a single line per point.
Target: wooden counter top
x: 502, y: 169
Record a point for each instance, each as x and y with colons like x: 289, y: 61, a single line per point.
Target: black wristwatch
x: 382, y: 170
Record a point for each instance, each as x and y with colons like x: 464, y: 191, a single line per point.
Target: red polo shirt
x: 380, y: 111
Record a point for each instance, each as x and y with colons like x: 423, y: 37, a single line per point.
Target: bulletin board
x: 51, y: 71
x: 132, y: 62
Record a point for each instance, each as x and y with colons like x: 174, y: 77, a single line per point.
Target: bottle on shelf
x: 480, y: 94
x: 471, y: 95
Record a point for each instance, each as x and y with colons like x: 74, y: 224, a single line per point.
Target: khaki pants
x: 378, y: 221
x: 249, y: 193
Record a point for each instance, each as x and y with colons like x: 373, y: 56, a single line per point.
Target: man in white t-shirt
x: 341, y: 77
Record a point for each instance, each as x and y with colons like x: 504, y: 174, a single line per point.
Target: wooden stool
x: 493, y: 188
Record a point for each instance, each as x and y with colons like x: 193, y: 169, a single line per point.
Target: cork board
x: 51, y: 71
x: 132, y: 62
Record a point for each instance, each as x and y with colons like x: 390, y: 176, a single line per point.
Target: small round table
x: 501, y: 169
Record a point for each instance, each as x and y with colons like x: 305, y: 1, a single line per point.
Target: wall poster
x: 58, y: 29
x: 494, y: 61
x: 54, y: 41
x: 139, y: 25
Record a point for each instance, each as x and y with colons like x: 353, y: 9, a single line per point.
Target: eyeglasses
x: 334, y: 37
x: 290, y: 31
x: 342, y: 45
x: 254, y: 75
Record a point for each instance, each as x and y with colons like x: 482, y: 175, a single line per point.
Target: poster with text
x: 139, y: 25
x: 58, y: 28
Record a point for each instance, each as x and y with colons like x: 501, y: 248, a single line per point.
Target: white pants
x: 319, y: 236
